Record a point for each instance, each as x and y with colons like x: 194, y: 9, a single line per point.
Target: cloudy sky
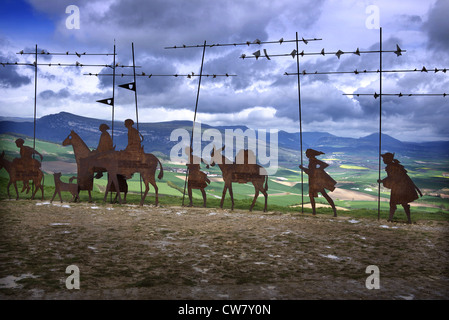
x: 260, y: 95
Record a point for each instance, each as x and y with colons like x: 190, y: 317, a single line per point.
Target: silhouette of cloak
x: 318, y: 178
x: 26, y: 163
x: 403, y: 190
x: 105, y: 143
x: 134, y: 137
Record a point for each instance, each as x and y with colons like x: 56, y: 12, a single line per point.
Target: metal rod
x: 365, y: 71
x: 62, y: 65
x: 137, y: 110
x: 35, y: 101
x: 194, y: 119
x: 317, y: 53
x: 380, y: 121
x: 117, y: 188
x: 198, y: 94
x: 68, y: 53
x: 59, y: 64
x: 161, y: 75
x: 376, y: 95
x: 300, y: 126
x: 16, y: 64
x: 35, y: 109
x: 113, y: 96
x: 247, y: 43
x: 135, y: 86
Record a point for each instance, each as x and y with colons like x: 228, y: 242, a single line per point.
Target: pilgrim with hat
x: 134, y: 137
x: 403, y: 189
x: 26, y: 161
x: 105, y: 143
x: 319, y: 180
x: 26, y: 164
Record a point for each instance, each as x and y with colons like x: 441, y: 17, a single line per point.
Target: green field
x: 357, y: 177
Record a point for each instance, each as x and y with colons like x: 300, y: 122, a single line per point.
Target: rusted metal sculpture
x: 105, y: 143
x: 24, y: 169
x: 319, y: 180
x: 63, y: 186
x: 197, y: 179
x: 134, y: 138
x: 403, y: 189
x: 241, y: 172
x: 123, y: 187
x: 126, y: 163
x: 81, y: 151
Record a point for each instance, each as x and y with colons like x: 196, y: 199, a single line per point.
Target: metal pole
x: 137, y: 111
x: 194, y: 118
x: 35, y: 100
x: 380, y: 120
x: 300, y: 122
x: 113, y: 92
x: 135, y: 86
x: 113, y: 105
x: 35, y: 109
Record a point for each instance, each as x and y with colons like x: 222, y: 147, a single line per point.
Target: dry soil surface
x: 132, y: 252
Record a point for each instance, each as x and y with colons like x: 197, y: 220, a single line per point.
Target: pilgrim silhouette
x: 403, y: 189
x: 23, y: 169
x: 105, y: 143
x: 134, y: 137
x: 197, y: 179
x: 26, y: 160
x: 26, y: 165
x: 319, y: 180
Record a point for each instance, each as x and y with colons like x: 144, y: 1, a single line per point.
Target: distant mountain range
x: 56, y: 127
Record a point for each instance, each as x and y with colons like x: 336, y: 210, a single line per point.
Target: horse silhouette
x: 19, y: 173
x: 81, y: 150
x: 241, y: 173
x: 115, y: 163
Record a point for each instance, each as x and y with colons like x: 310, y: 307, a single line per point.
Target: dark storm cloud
x: 437, y: 26
x: 245, y: 71
x: 154, y: 76
x: 50, y: 94
x: 159, y: 23
x: 9, y: 77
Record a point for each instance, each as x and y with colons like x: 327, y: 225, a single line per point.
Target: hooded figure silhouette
x: 403, y: 189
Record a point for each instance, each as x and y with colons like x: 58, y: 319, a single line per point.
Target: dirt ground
x: 132, y: 252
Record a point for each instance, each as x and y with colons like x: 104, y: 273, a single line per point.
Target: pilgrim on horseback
x: 116, y: 163
x: 105, y: 144
x: 26, y: 163
x: 319, y: 180
x: 134, y: 138
x: 26, y: 166
x: 23, y: 169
